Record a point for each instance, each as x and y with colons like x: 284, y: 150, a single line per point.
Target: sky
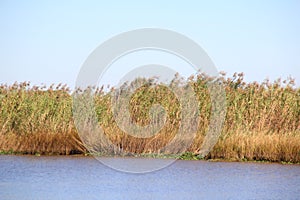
x: 47, y: 42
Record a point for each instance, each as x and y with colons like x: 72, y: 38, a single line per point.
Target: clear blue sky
x: 48, y: 41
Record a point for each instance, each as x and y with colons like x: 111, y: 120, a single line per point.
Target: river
x: 84, y: 178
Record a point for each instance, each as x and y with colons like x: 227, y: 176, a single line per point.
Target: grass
x: 262, y: 121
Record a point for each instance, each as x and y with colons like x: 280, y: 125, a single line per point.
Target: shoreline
x: 190, y: 157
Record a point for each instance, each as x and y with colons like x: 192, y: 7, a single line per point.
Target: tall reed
x: 262, y: 119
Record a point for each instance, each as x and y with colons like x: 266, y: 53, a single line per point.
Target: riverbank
x: 186, y: 156
x: 234, y: 148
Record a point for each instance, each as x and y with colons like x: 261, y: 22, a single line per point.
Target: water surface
x: 81, y: 178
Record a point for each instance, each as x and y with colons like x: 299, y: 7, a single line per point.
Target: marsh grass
x: 262, y: 120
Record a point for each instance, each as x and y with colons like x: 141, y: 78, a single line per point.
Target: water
x: 82, y: 178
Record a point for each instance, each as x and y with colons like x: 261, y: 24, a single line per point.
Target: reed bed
x: 262, y: 120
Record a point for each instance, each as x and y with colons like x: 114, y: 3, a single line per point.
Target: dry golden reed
x: 262, y: 119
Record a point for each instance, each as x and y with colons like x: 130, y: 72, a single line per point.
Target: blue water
x: 81, y: 178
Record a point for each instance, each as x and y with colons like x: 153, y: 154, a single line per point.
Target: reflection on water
x: 67, y: 177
